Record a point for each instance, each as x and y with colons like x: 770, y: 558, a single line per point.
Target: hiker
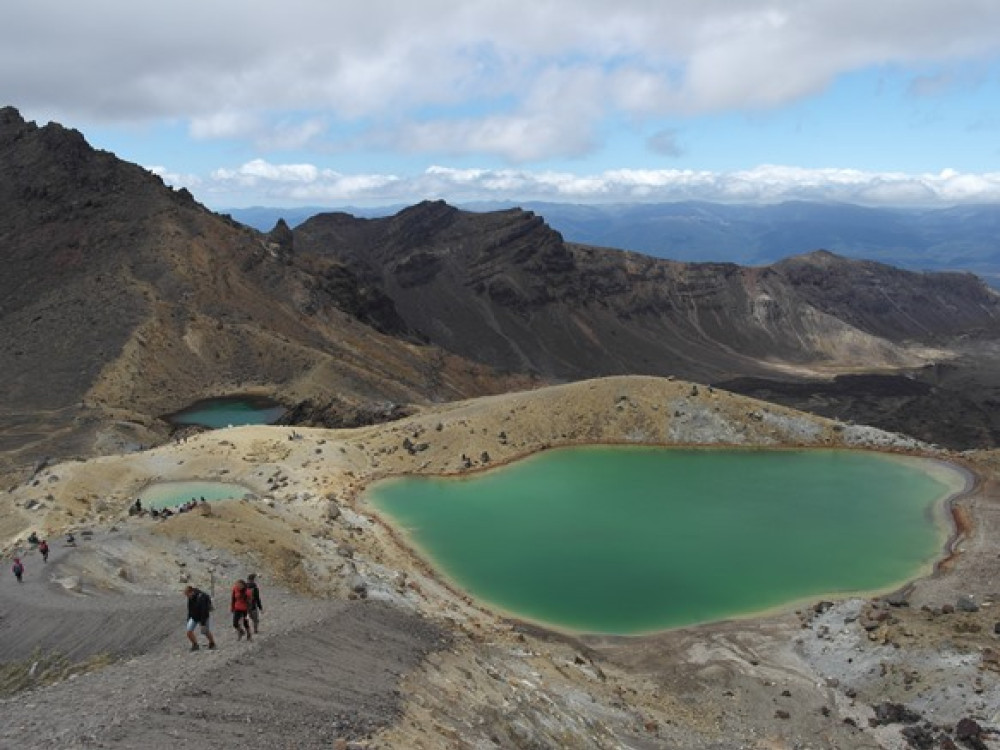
x: 43, y: 547
x: 70, y: 540
x: 17, y: 569
x: 240, y: 606
x: 253, y: 590
x: 199, y: 612
x: 33, y: 538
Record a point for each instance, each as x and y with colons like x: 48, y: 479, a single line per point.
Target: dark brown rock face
x: 120, y: 296
x: 503, y: 288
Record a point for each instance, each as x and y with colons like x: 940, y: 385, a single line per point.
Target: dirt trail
x: 41, y: 614
x: 318, y: 671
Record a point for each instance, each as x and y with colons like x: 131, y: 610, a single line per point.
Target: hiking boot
x: 195, y: 646
x: 211, y: 647
x: 239, y: 635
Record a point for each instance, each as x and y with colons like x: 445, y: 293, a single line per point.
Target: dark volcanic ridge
x: 505, y: 289
x: 124, y: 299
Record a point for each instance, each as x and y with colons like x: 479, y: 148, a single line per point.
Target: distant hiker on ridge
x: 17, y: 569
x: 43, y: 547
x: 240, y: 606
x: 199, y: 612
x: 256, y: 607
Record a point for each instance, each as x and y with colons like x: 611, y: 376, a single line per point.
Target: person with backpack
x: 199, y: 614
x: 240, y: 607
x: 43, y: 547
x: 256, y: 607
x: 17, y: 569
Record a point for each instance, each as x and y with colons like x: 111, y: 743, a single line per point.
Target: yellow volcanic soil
x: 308, y: 527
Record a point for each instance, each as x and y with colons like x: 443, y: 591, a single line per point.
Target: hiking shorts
x: 193, y: 623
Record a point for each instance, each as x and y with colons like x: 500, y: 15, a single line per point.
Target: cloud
x: 287, y: 183
x: 293, y: 182
x: 521, y: 79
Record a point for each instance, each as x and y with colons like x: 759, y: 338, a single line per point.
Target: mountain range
x: 955, y: 238
x: 123, y: 299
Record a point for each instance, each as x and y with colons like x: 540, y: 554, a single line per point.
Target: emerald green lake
x: 637, y: 539
x: 228, y: 411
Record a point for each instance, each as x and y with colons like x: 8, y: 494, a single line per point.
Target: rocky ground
x: 363, y: 645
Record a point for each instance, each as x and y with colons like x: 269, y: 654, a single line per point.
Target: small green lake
x: 228, y: 411
x: 170, y: 494
x: 637, y: 539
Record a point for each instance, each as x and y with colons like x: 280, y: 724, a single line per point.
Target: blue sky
x: 310, y: 102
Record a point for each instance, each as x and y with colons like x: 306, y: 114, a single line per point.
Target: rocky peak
x: 281, y: 238
x: 10, y: 119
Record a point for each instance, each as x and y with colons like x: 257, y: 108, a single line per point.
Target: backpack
x: 18, y: 569
x: 206, y: 602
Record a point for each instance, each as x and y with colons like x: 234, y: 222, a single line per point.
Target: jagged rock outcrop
x: 503, y: 288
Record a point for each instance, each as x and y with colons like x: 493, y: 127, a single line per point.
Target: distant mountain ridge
x: 505, y: 289
x: 960, y: 238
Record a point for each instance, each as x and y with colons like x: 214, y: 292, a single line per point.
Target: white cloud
x: 224, y: 124
x: 177, y: 179
x: 258, y: 170
x: 304, y: 183
x: 539, y: 77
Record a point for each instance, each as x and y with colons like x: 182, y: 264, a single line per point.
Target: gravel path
x: 318, y: 671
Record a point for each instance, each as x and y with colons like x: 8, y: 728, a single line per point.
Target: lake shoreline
x: 945, y: 512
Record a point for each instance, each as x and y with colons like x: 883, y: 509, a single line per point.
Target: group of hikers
x: 17, y: 568
x: 136, y: 508
x: 244, y: 604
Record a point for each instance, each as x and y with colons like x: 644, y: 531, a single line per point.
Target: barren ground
x: 362, y: 644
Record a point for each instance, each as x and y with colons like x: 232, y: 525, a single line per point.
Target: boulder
x: 969, y: 733
x: 332, y: 510
x: 359, y: 586
x: 966, y: 604
x: 897, y: 599
x: 919, y: 737
x: 894, y: 713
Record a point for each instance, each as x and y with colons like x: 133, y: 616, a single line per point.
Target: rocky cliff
x: 503, y: 288
x: 121, y: 299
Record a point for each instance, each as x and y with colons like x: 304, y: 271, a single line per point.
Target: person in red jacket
x: 240, y: 607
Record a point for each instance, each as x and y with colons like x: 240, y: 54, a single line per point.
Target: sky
x: 334, y: 103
